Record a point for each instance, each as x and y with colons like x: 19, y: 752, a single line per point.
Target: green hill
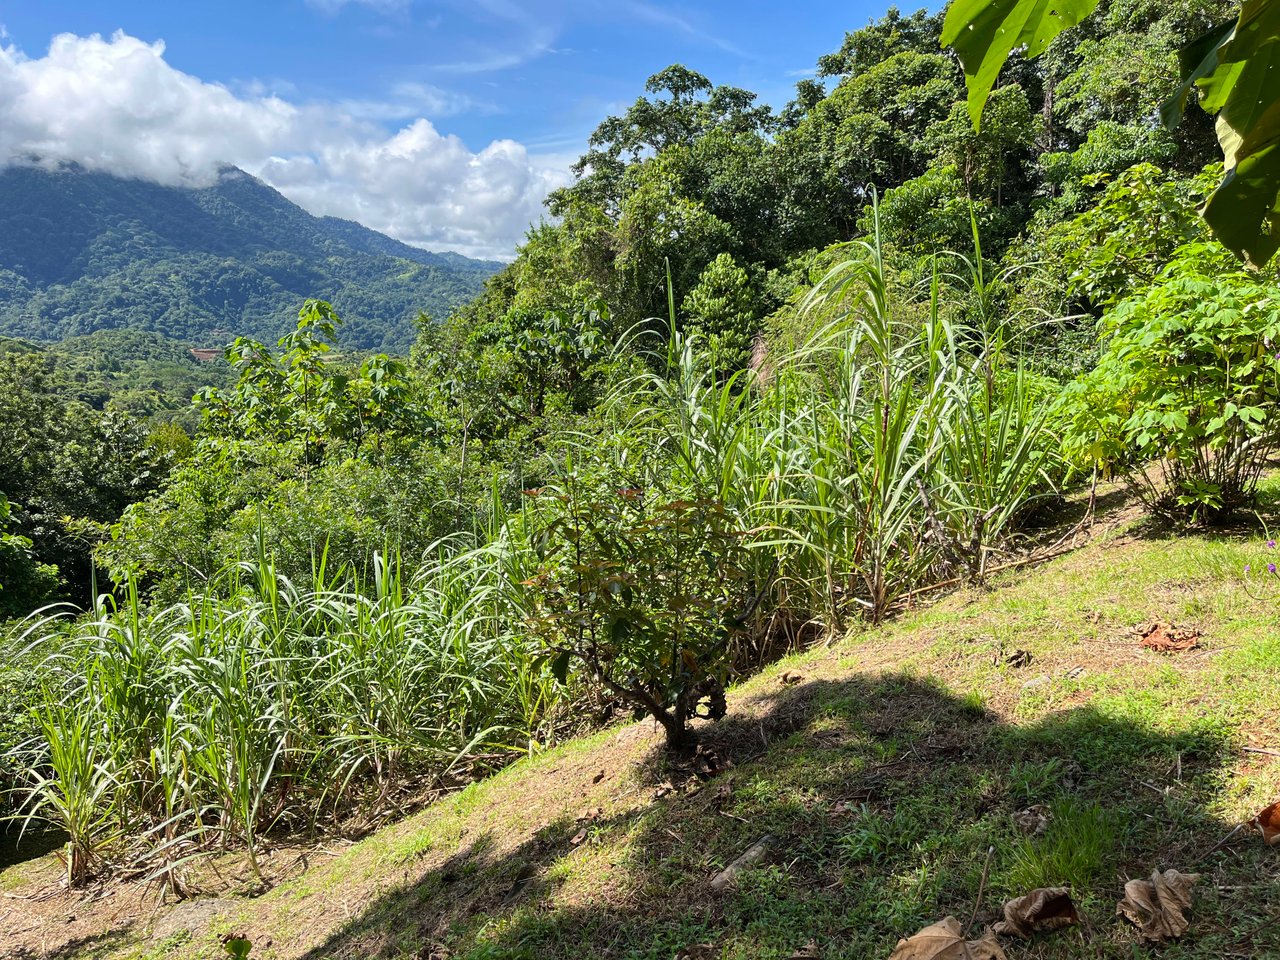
x: 82, y: 252
x: 884, y: 766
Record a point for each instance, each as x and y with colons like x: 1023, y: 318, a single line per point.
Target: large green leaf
x: 984, y: 32
x: 1236, y: 67
x: 1244, y: 212
x: 1198, y: 59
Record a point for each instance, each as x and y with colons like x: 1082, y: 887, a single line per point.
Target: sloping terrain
x: 82, y: 251
x: 882, y: 768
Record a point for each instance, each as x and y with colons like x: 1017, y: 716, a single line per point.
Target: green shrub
x: 1188, y: 379
x: 647, y: 591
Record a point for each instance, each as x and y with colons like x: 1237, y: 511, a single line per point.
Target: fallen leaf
x: 1268, y: 821
x: 945, y: 941
x: 1018, y: 659
x: 808, y: 952
x: 707, y: 763
x: 1034, y: 820
x: 1041, y: 910
x: 1165, y: 638
x: 1156, y: 906
x: 789, y: 677
x: 579, y: 837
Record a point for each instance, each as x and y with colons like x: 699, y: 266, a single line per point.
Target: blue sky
x: 339, y: 102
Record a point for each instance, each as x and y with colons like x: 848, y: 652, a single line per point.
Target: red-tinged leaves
x: 1166, y: 638
x: 1268, y: 821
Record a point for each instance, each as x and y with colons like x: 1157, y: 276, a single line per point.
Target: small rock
x: 754, y: 853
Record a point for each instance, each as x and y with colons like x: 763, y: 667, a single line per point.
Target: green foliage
x: 984, y: 33
x: 145, y: 375
x: 1188, y: 379
x: 25, y: 583
x: 990, y: 161
x: 65, y: 470
x: 721, y: 309
x: 165, y: 731
x: 1072, y: 851
x: 82, y: 252
x: 298, y: 399
x: 930, y: 214
x: 646, y: 591
x: 1123, y: 241
x: 1233, y: 67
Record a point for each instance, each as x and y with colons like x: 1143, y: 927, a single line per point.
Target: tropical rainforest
x: 759, y: 378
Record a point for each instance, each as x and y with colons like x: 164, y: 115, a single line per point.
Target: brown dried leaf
x: 1165, y: 638
x: 1268, y: 821
x: 789, y: 677
x: 1018, y: 659
x: 579, y: 837
x: 1041, y: 910
x: 1157, y: 905
x: 945, y: 941
x: 808, y: 952
x: 1034, y: 820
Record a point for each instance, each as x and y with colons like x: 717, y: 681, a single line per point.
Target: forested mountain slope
x: 82, y: 251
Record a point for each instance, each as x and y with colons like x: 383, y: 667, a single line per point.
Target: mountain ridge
x: 82, y: 251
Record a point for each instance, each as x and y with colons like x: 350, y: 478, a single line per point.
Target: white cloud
x: 117, y: 105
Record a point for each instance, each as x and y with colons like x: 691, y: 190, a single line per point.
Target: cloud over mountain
x: 117, y: 105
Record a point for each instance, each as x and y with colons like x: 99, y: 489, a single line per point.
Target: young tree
x: 647, y: 594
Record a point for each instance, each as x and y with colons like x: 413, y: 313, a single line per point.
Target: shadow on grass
x: 883, y: 795
x: 17, y: 846
x: 82, y: 948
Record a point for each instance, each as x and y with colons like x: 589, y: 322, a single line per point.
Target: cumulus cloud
x: 116, y: 105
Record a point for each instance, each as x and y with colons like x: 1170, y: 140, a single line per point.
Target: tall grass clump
x: 267, y: 705
x: 897, y: 449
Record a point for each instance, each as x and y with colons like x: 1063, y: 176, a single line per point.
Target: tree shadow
x: 81, y: 948
x: 882, y: 796
x: 19, y: 846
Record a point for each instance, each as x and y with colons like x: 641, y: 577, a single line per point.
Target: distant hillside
x: 81, y: 252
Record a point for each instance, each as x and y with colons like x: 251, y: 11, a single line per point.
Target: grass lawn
x: 884, y: 769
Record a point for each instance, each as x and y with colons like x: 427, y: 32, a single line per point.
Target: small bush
x: 647, y: 591
x: 1190, y: 379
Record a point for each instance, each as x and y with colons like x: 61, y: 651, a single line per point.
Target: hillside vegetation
x: 764, y: 384
x: 883, y: 767
x: 82, y: 252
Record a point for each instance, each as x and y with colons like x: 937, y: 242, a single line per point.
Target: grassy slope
x: 885, y: 773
